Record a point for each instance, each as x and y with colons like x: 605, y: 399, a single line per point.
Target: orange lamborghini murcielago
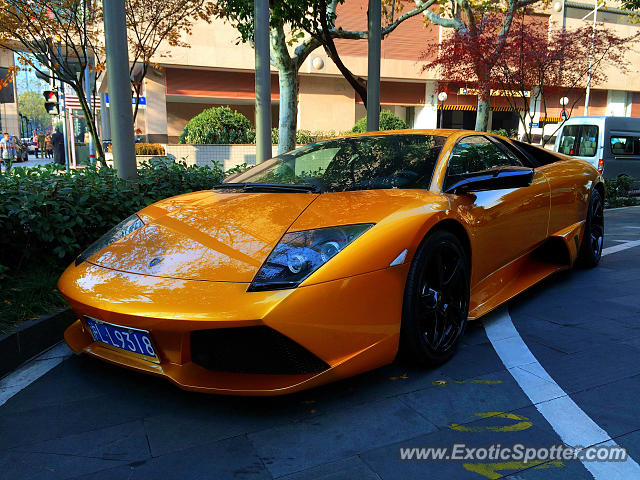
x: 327, y: 261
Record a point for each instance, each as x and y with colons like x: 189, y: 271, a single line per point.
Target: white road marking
x: 629, y: 226
x: 32, y: 370
x: 619, y: 248
x: 574, y: 427
x: 622, y: 241
x: 570, y: 422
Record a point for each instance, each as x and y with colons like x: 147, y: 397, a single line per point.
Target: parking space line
x: 570, y: 422
x: 619, y: 248
x: 32, y: 370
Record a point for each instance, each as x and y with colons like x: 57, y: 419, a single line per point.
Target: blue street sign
x: 534, y: 125
x: 143, y: 100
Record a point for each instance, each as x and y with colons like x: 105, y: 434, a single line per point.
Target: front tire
x: 436, y: 300
x: 593, y: 236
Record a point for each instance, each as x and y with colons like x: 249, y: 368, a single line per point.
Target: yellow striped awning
x: 551, y: 119
x: 474, y: 108
x: 457, y: 107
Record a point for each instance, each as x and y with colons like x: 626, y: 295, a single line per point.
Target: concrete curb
x: 31, y: 338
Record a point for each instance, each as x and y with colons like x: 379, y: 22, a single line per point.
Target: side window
x: 568, y: 139
x: 579, y: 140
x: 475, y: 154
x: 588, y: 141
x: 625, y: 145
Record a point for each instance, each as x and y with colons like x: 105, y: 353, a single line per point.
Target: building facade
x: 215, y: 70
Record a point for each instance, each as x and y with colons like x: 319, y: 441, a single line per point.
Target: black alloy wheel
x: 593, y: 237
x: 436, y: 302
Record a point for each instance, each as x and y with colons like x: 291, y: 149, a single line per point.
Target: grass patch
x: 28, y: 293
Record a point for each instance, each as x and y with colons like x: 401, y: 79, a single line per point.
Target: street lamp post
x: 563, y: 103
x: 442, y: 97
x: 593, y: 39
x: 262, y: 80
x: 373, y: 66
x: 119, y: 83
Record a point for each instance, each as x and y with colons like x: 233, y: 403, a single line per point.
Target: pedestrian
x: 41, y: 144
x: 57, y: 139
x: 36, y: 143
x: 48, y: 146
x: 7, y: 152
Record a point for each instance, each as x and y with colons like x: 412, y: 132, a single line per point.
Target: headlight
x: 123, y: 229
x: 299, y: 254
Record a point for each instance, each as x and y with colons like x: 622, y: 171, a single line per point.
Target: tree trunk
x: 484, y: 106
x: 288, y: 80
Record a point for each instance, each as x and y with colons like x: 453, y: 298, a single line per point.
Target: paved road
x: 33, y: 161
x: 88, y: 420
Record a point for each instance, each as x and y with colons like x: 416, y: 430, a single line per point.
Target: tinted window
x: 579, y: 140
x: 625, y: 145
x: 476, y: 154
x: 568, y: 139
x: 588, y: 141
x: 354, y: 163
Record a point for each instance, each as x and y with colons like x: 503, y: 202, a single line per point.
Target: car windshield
x: 351, y: 163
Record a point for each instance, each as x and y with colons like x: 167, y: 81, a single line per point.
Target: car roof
x: 443, y: 132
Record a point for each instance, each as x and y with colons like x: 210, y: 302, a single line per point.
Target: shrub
x: 217, y: 125
x: 505, y: 133
x: 388, y: 121
x: 149, y: 149
x: 44, y: 212
x: 303, y: 137
x: 618, y: 191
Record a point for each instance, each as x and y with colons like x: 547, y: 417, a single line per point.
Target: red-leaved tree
x: 532, y: 61
x: 480, y: 29
x: 536, y: 64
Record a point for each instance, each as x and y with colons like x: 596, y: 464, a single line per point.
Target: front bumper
x: 350, y: 324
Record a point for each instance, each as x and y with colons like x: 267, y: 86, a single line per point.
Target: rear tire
x: 436, y: 300
x: 593, y: 237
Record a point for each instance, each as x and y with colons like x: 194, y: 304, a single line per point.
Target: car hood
x: 227, y: 236
x: 206, y: 235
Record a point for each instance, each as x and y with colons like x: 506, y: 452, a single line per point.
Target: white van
x: 611, y: 144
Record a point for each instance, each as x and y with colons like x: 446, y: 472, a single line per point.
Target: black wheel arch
x: 456, y: 228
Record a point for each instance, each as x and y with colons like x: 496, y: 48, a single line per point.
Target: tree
x: 297, y: 29
x: 154, y: 22
x: 538, y: 62
x: 480, y: 31
x: 60, y: 39
x: 31, y: 105
x: 631, y: 4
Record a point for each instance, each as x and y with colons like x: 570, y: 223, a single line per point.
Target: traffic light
x: 51, y: 102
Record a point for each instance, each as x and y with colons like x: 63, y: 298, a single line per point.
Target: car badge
x: 155, y: 261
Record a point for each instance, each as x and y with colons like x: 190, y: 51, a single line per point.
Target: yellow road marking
x: 441, y: 383
x: 523, y: 424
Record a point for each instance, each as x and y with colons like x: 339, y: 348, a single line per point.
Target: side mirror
x: 493, y: 179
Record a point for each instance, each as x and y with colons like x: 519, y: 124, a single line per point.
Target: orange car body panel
x: 348, y: 312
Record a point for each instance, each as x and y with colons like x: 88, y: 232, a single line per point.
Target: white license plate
x: 124, y: 338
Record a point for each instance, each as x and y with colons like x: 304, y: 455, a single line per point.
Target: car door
x: 581, y: 141
x: 623, y: 157
x: 505, y: 223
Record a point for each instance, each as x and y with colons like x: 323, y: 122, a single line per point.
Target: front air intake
x: 259, y: 350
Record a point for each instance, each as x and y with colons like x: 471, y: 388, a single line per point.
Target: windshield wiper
x: 270, y: 187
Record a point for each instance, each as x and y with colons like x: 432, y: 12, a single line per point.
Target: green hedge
x: 218, y: 125
x: 618, y: 191
x: 46, y: 213
x: 388, y: 121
